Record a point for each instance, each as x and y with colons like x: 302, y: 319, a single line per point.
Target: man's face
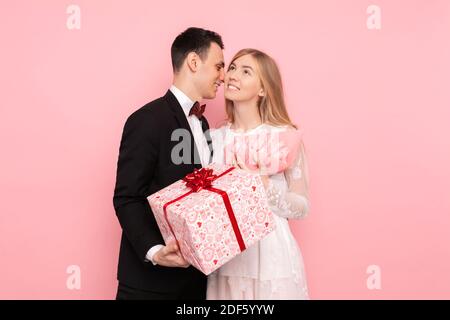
x: 210, y: 74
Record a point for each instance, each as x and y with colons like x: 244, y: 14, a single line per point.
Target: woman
x: 273, y: 268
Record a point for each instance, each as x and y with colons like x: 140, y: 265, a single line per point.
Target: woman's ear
x: 192, y: 61
x: 261, y: 93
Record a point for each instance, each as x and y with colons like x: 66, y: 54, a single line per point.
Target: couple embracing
x: 254, y: 102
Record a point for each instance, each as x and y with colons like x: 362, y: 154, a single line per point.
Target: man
x: 147, y: 268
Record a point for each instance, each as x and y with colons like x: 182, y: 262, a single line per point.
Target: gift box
x: 214, y: 213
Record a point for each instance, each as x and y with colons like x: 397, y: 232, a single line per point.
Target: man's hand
x: 170, y: 256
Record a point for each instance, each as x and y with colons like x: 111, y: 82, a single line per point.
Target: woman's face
x: 242, y: 82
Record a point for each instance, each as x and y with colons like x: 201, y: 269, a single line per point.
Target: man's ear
x: 192, y: 61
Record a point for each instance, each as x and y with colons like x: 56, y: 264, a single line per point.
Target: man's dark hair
x: 192, y: 40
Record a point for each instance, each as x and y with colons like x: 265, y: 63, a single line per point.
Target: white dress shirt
x: 199, y: 139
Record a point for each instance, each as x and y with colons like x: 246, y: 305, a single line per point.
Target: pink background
x: 375, y: 105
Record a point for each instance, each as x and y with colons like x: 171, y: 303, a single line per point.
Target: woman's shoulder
x: 263, y: 128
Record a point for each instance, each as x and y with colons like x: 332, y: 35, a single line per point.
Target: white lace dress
x: 273, y: 268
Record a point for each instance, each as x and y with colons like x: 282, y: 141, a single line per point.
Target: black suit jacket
x: 144, y: 167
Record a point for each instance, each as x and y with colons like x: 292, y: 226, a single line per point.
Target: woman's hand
x: 237, y: 162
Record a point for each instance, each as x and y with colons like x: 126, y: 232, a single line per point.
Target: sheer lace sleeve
x: 294, y: 201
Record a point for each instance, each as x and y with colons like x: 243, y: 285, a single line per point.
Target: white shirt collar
x: 183, y: 100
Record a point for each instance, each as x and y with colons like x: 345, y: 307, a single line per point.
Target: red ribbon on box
x: 202, y: 179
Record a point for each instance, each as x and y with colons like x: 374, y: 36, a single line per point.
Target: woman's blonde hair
x: 271, y: 107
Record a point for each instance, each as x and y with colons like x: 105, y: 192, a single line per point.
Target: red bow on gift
x: 199, y: 179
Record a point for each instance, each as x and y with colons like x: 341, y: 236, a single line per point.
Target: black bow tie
x: 197, y: 110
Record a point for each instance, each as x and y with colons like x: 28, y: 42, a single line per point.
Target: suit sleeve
x: 135, y: 169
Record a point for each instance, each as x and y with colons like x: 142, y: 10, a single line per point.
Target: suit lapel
x: 205, y: 128
x: 183, y: 123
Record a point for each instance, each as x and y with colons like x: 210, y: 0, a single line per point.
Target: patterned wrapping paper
x: 209, y: 235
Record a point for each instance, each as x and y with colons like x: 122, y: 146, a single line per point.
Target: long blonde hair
x: 271, y: 107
